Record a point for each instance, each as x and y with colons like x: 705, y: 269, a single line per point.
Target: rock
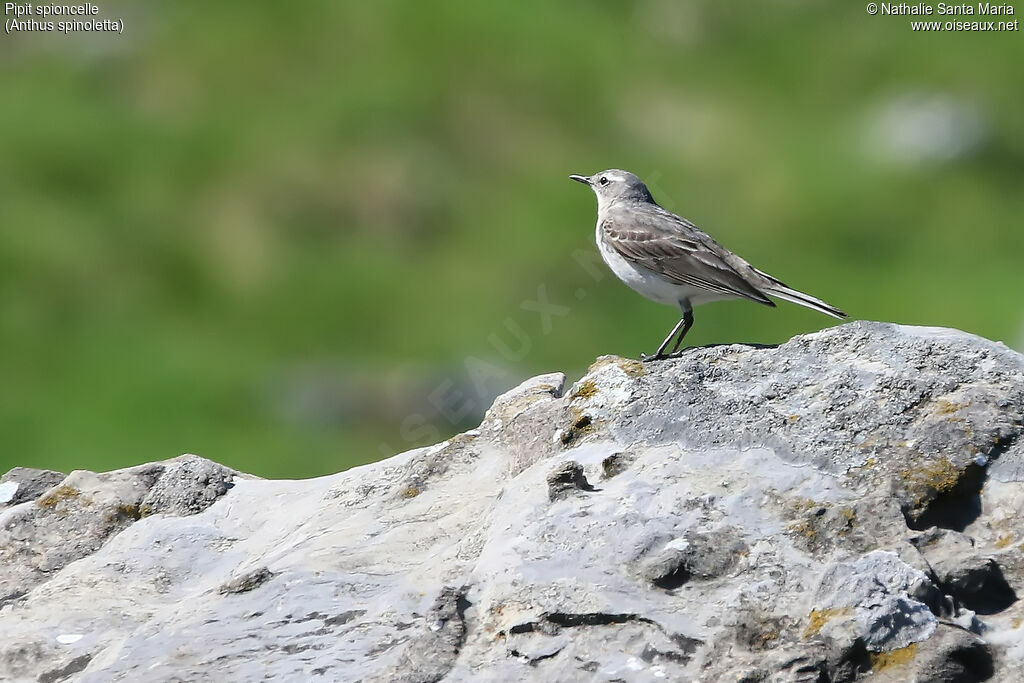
x: 848, y: 504
x: 695, y: 557
x: 187, y: 486
x: 566, y: 479
x: 24, y: 483
x: 75, y: 518
x: 954, y: 656
x: 247, y: 581
x: 975, y: 581
x: 429, y: 656
x: 887, y: 599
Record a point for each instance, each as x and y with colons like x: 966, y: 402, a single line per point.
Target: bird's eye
x: 603, y: 180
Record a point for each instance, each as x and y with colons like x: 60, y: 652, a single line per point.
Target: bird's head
x: 614, y: 185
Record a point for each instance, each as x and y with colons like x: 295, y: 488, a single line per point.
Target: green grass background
x: 269, y: 233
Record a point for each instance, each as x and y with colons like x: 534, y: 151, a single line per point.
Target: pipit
x: 670, y: 260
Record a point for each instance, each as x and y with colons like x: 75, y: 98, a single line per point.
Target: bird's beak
x: 580, y: 179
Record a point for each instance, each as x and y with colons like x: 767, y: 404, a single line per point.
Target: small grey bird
x: 670, y: 260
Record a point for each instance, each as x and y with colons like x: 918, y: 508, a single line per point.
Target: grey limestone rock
x: 849, y: 504
x: 974, y: 580
x: 24, y: 483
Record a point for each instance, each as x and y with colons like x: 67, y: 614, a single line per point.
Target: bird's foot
x: 663, y: 356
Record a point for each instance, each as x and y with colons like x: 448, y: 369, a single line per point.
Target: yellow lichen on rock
x: 817, y: 619
x: 585, y: 389
x: 632, y: 368
x: 57, y: 495
x: 580, y: 424
x: 939, y: 476
x: 946, y: 407
x: 880, y: 661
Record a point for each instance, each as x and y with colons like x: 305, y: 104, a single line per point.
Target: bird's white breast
x: 639, y: 278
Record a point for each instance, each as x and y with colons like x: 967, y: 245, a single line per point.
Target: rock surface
x: 848, y: 504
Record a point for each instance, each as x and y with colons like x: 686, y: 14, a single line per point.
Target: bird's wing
x: 679, y: 255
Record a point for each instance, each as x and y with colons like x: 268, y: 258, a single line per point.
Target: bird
x: 668, y: 259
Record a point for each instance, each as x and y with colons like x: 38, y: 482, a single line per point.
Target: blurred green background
x: 293, y: 238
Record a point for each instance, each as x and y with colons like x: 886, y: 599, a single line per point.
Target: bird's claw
x: 661, y: 356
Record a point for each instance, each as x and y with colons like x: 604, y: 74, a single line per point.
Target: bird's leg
x: 688, y: 323
x: 660, y: 353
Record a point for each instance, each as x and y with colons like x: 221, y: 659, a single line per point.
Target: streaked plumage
x: 670, y: 260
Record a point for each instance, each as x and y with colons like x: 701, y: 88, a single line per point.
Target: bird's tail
x: 797, y: 297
